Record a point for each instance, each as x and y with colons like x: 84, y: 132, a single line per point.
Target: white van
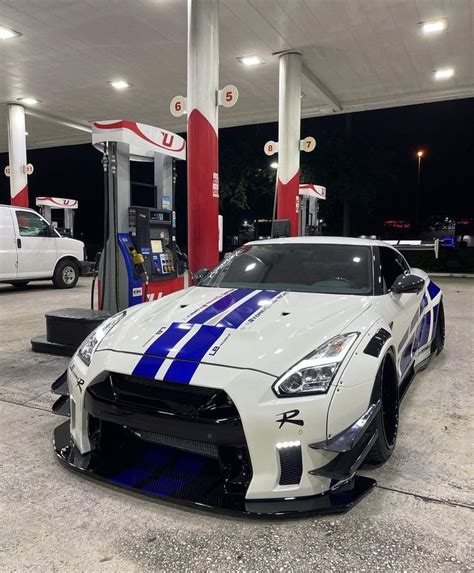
x: 31, y: 249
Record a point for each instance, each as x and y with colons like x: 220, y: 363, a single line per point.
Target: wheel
x: 66, y: 274
x: 386, y: 421
x: 438, y: 341
x: 19, y: 284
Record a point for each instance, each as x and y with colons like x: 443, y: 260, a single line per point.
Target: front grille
x: 171, y: 424
x: 172, y: 398
x: 202, y: 448
x: 291, y: 465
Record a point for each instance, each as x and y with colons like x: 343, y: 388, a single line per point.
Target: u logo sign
x: 167, y: 139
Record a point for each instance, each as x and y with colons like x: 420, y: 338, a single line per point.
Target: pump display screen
x: 158, y: 216
x: 156, y: 245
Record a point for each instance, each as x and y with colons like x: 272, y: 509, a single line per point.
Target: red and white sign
x: 215, y: 184
x: 228, y: 96
x: 7, y: 171
x: 28, y: 168
x: 308, y: 144
x: 156, y: 290
x: 144, y: 140
x: 270, y: 148
x: 317, y: 191
x: 57, y: 202
x: 178, y: 106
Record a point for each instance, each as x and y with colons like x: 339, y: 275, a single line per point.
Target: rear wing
x: 415, y: 245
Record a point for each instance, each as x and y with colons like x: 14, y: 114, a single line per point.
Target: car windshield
x: 299, y: 267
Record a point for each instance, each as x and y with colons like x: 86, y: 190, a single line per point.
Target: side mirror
x: 408, y: 283
x: 199, y: 275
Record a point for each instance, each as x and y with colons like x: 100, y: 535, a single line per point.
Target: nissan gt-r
x: 263, y: 388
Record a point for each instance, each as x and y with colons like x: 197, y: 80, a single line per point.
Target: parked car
x: 262, y: 389
x: 31, y: 249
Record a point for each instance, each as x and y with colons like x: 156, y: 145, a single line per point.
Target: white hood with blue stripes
x: 262, y: 330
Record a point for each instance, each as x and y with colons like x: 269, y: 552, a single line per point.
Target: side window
x: 31, y: 224
x: 392, y: 265
x: 405, y: 265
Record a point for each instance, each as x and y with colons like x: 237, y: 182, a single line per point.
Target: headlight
x: 90, y: 344
x: 314, y: 374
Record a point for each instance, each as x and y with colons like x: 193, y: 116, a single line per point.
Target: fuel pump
x: 46, y: 207
x: 309, y: 197
x: 309, y: 223
x: 153, y: 234
x: 139, y: 260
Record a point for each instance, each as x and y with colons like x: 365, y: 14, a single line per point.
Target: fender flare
x: 352, y: 396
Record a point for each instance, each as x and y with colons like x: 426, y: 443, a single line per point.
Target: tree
x: 247, y: 182
x: 352, y: 171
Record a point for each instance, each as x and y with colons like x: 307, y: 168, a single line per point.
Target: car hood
x: 267, y: 331
x: 71, y: 244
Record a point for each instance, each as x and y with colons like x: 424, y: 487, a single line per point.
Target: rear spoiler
x: 415, y: 245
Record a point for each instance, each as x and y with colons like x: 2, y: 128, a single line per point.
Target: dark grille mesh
x: 182, y: 399
x: 210, y: 450
x: 291, y: 465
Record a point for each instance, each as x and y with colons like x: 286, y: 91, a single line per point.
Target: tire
x: 19, y: 284
x: 386, y: 421
x: 66, y: 274
x: 438, y: 341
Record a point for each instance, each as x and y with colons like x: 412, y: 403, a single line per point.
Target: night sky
x: 443, y: 130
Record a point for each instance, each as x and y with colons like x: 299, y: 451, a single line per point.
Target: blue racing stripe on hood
x: 193, y: 352
x: 148, y: 366
x: 155, y: 354
x: 219, y: 306
x: 239, y: 315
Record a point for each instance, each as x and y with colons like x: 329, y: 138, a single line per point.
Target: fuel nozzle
x: 138, y: 258
x: 139, y: 263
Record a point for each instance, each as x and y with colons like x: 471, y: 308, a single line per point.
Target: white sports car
x: 261, y: 390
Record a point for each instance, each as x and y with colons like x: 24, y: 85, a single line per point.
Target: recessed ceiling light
x: 28, y: 100
x: 251, y: 60
x: 274, y: 165
x: 120, y: 84
x: 444, y: 74
x: 7, y: 33
x: 434, y: 26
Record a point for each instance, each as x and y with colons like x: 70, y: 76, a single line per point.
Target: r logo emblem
x: 80, y: 384
x: 290, y: 418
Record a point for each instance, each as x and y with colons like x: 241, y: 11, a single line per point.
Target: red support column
x: 202, y: 141
x: 17, y: 155
x: 289, y: 124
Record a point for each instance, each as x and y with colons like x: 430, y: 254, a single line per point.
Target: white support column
x: 289, y: 126
x: 202, y: 143
x: 17, y: 155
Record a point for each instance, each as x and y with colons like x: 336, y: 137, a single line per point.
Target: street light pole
x: 417, y: 216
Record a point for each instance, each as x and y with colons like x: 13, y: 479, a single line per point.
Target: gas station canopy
x: 357, y: 55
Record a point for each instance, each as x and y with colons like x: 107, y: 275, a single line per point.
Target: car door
x: 8, y: 254
x: 400, y: 310
x: 36, y: 245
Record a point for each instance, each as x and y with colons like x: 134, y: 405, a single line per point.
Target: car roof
x: 18, y: 207
x: 321, y: 241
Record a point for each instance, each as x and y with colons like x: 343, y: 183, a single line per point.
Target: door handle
x: 18, y: 243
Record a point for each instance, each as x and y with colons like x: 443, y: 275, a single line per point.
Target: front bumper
x: 86, y: 268
x: 184, y: 478
x: 190, y: 448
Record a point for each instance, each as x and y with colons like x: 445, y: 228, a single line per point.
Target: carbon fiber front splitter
x: 185, y: 478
